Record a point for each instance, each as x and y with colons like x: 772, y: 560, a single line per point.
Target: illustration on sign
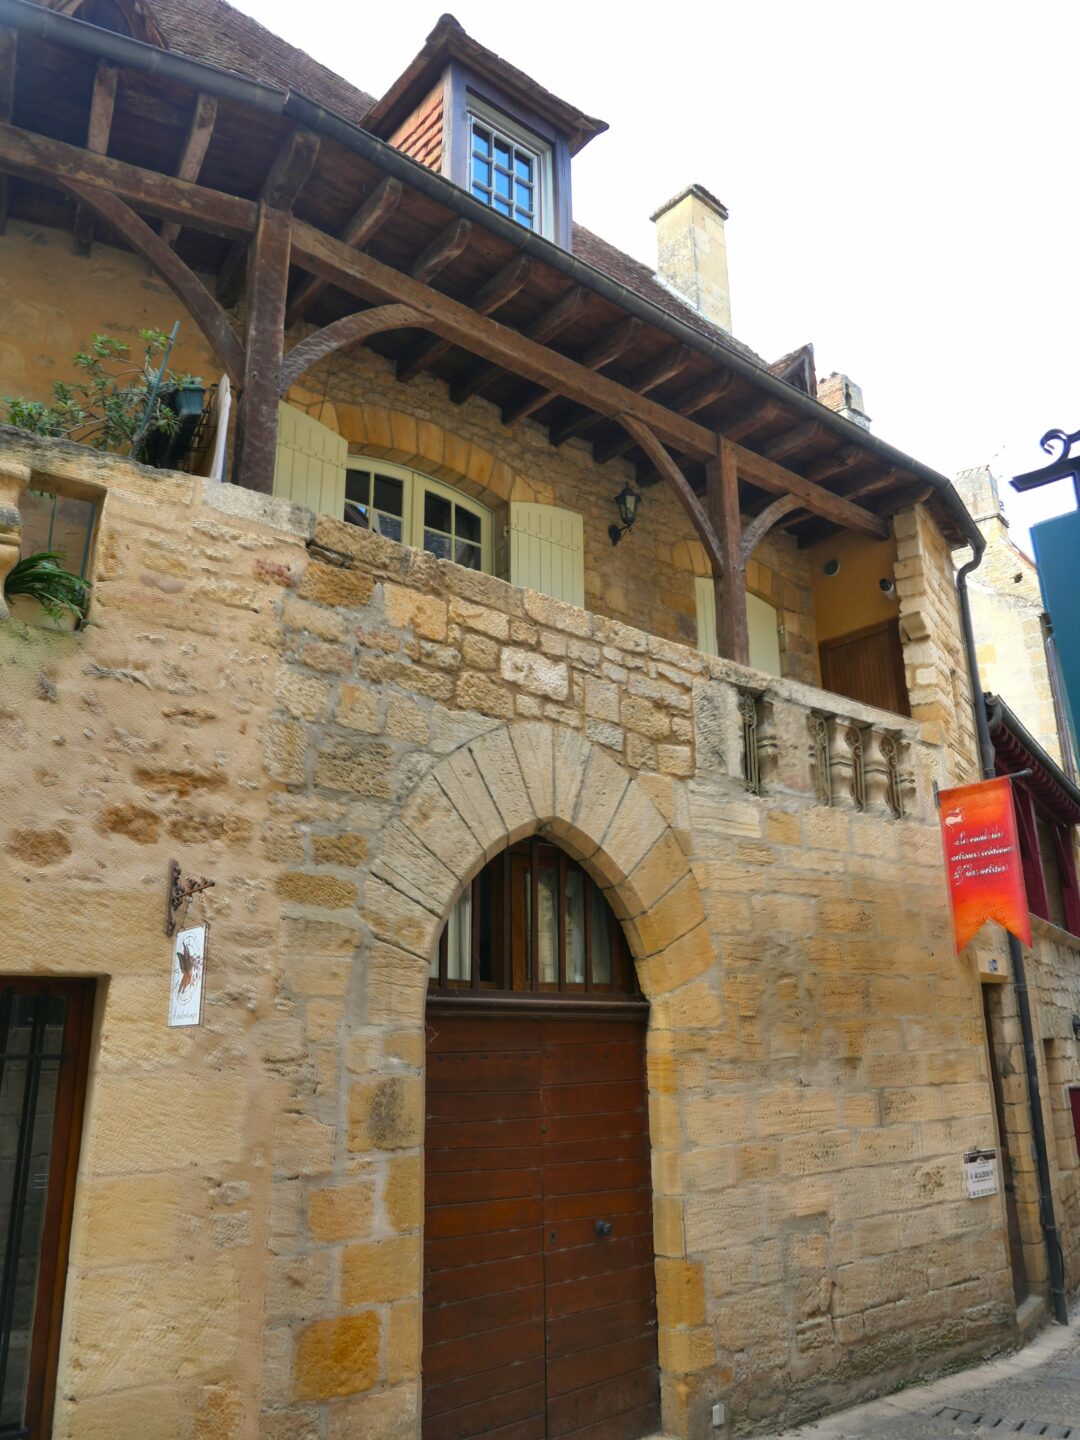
x: 188, y: 967
x: 982, y: 860
x: 980, y: 1173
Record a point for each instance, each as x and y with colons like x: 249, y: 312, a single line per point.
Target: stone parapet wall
x: 340, y: 735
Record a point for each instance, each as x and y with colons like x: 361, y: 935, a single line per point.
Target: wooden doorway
x: 539, y: 1286
x: 867, y: 665
x: 44, y: 1045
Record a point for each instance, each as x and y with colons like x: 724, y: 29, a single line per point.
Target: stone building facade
x: 343, y: 733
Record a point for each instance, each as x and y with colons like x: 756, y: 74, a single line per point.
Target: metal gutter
x: 65, y: 30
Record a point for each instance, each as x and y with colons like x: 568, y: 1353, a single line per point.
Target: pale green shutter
x: 762, y: 623
x: 705, y: 596
x: 547, y: 551
x: 310, y: 465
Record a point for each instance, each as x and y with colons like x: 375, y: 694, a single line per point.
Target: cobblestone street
x: 1035, y: 1391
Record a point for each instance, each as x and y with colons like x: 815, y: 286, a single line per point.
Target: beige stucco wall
x: 339, y: 747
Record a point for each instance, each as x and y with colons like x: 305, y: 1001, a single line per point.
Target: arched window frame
x: 410, y: 527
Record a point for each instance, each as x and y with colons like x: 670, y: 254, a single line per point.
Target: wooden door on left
x: 44, y: 1046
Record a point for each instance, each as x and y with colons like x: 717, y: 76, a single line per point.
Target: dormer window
x: 509, y: 168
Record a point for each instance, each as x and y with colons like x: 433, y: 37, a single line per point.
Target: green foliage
x: 107, y: 407
x: 43, y: 578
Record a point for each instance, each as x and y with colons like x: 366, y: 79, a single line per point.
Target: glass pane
x: 436, y: 544
x: 528, y: 924
x: 502, y: 152
x: 575, y: 927
x: 484, y: 919
x: 601, y: 940
x: 502, y: 183
x: 481, y: 171
x: 389, y: 495
x: 503, y: 207
x: 388, y: 525
x: 357, y: 486
x: 27, y: 1089
x: 481, y: 139
x: 356, y: 514
x: 466, y: 524
x: 467, y: 555
x: 438, y: 511
x: 459, y: 940
x: 523, y: 165
x: 481, y: 194
x: 548, y: 936
x: 51, y: 522
x: 523, y: 196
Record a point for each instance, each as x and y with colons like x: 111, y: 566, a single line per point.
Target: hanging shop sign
x: 982, y: 859
x: 980, y: 1173
x: 188, y: 970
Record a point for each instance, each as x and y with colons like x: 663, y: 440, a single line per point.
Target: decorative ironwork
x: 858, y: 774
x: 179, y: 893
x: 1064, y: 465
x: 891, y: 754
x: 821, y: 760
x: 748, y: 710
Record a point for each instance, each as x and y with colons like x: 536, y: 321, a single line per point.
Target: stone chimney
x: 978, y: 488
x: 840, y: 393
x: 692, y: 252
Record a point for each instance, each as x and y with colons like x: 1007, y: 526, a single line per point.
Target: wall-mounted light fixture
x: 831, y: 567
x: 886, y: 587
x: 627, y: 502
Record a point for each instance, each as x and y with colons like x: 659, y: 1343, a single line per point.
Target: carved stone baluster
x: 14, y: 478
x: 842, y: 760
x: 768, y: 742
x: 876, y: 776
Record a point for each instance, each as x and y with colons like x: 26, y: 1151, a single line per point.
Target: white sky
x: 902, y: 182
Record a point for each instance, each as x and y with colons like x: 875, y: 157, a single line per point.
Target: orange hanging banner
x: 982, y: 859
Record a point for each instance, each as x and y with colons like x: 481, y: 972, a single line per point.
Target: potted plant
x: 144, y: 410
x: 38, y: 584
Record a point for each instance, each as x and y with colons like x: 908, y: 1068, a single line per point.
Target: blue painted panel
x: 1057, y: 554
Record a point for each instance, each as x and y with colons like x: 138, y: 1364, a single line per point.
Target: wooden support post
x: 203, y: 119
x: 257, y: 421
x: 102, y: 104
x: 722, y: 501
x: 9, y: 41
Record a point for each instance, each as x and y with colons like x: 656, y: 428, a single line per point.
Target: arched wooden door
x: 539, y: 1289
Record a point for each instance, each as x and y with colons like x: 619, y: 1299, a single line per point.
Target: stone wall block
x: 533, y: 745
x: 437, y: 824
x: 337, y: 1357
x: 636, y: 830
x: 718, y: 728
x: 467, y: 790
x: 496, y: 760
x: 403, y: 862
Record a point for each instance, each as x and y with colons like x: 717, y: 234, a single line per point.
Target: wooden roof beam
x: 491, y: 296
x: 688, y: 403
x: 284, y: 181
x: 444, y: 249
x: 200, y: 132
x: 102, y: 104
x: 792, y: 440
x: 361, y: 227
x: 664, y: 367
x: 756, y: 530
x: 341, y: 335
x: 644, y: 437
x: 766, y: 474
x: 752, y: 419
x: 561, y: 315
x: 9, y: 49
x: 607, y: 349
x: 835, y: 464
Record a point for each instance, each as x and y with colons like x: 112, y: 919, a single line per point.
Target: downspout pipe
x: 1047, y: 1217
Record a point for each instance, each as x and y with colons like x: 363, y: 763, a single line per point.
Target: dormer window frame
x: 518, y: 140
x: 468, y: 95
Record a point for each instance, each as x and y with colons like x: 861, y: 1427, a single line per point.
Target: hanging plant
x: 41, y: 577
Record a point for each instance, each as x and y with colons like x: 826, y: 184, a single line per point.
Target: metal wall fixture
x: 626, y: 502
x: 858, y: 774
x: 820, y: 758
x: 890, y: 752
x: 748, y: 712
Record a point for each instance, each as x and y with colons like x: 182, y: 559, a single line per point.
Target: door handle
x: 603, y: 1227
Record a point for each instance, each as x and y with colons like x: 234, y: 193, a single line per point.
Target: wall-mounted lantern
x: 627, y: 502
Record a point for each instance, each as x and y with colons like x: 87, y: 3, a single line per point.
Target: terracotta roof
x: 216, y: 32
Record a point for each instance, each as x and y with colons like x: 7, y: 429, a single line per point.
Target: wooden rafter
x: 752, y: 419
x: 688, y: 403
x: 184, y: 283
x: 835, y: 464
x: 667, y: 467
x: 490, y: 296
x: 729, y: 576
x: 605, y: 350
x: 792, y: 440
x: 562, y: 314
x: 664, y: 367
x: 200, y: 132
x: 768, y: 475
x: 340, y: 335
x: 286, y: 177
x: 9, y: 49
x: 268, y: 279
x: 102, y: 105
x: 756, y: 530
x: 362, y: 225
x: 444, y: 249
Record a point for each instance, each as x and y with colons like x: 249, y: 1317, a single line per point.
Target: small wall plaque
x: 980, y: 1173
x: 188, y: 969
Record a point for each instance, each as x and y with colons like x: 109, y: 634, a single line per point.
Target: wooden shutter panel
x: 547, y: 551
x: 705, y: 599
x: 310, y: 465
x: 761, y: 620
